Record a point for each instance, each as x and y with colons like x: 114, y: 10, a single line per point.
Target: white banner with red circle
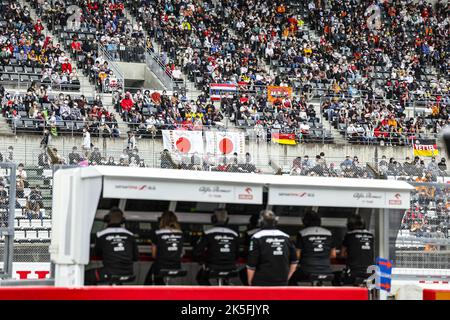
x: 225, y: 143
x: 183, y: 141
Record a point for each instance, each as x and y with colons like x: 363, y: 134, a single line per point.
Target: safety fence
x: 8, y: 202
x: 423, y: 237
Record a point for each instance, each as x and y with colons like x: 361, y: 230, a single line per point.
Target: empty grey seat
x: 24, y: 78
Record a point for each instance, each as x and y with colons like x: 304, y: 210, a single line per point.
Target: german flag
x: 284, y: 138
x: 425, y: 148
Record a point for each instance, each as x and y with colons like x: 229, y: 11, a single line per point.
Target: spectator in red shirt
x: 76, y: 46
x: 38, y: 27
x: 126, y: 104
x: 66, y: 67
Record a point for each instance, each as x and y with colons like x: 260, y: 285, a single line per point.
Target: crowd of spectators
x: 405, y: 40
x: 429, y: 215
x: 410, y: 46
x: 51, y: 111
x: 147, y: 112
x: 24, y: 48
x: 383, y: 122
x: 96, y: 23
x: 209, y: 41
x: 28, y: 198
x: 229, y: 42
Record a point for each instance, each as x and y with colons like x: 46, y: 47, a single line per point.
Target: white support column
x: 75, y: 200
x: 69, y: 275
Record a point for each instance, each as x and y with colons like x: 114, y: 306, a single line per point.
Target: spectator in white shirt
x: 86, y: 141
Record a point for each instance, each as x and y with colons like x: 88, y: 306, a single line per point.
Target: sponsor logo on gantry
x: 297, y: 194
x: 397, y: 200
x: 215, y: 189
x: 135, y: 187
x: 248, y: 195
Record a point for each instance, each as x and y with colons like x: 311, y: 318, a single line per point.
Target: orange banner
x: 274, y: 92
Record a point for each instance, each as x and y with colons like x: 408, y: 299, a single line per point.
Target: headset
x: 356, y: 222
x: 107, y: 217
x: 214, y: 219
x: 312, y: 219
x: 263, y: 223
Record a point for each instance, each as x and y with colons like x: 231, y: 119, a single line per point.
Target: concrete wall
x: 27, y: 149
x: 135, y: 71
x: 140, y: 72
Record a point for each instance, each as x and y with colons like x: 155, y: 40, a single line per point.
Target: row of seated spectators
x: 208, y: 162
x: 375, y: 121
x: 148, y: 111
x: 37, y: 109
x: 320, y: 166
x: 127, y: 158
x: 26, y: 54
x: 411, y: 170
x: 97, y: 24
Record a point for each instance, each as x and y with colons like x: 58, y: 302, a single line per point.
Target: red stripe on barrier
x: 181, y: 293
x: 431, y: 294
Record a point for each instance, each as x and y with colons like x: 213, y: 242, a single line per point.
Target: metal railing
x: 20, y: 84
x: 102, y: 52
x: 162, y: 72
x: 123, y: 53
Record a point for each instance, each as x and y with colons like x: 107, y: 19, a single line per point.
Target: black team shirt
x: 315, y: 244
x: 360, y: 252
x: 169, y: 243
x: 221, y: 246
x: 271, y: 253
x: 118, y: 250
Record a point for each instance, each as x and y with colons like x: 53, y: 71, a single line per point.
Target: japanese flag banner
x: 183, y: 141
x: 220, y: 143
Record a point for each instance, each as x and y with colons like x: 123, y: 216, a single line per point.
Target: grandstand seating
x: 29, y: 55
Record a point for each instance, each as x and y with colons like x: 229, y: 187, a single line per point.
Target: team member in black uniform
x: 272, y: 258
x: 357, y: 247
x: 314, y: 249
x: 117, y: 248
x: 218, y: 248
x: 252, y: 228
x: 167, y: 247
